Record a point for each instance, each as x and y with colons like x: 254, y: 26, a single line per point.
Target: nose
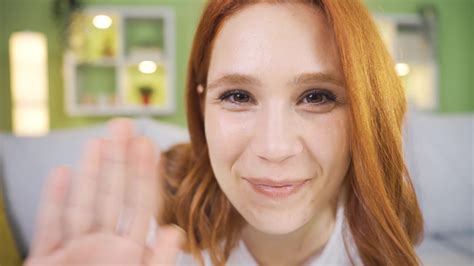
x: 276, y: 135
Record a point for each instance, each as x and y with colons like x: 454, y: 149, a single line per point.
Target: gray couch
x: 438, y: 150
x: 439, y: 154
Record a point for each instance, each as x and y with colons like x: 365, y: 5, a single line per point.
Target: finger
x: 120, y: 128
x: 49, y: 231
x: 143, y: 198
x: 113, y: 173
x: 170, y: 241
x: 80, y: 208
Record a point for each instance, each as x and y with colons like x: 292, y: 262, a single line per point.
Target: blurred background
x: 67, y: 66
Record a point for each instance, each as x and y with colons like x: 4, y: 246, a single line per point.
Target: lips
x: 275, y: 189
x: 272, y: 183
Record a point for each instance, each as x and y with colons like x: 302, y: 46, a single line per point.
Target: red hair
x: 381, y: 209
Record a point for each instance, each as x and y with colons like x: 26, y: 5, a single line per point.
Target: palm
x: 105, y: 213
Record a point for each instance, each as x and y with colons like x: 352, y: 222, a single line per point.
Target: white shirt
x: 334, y: 252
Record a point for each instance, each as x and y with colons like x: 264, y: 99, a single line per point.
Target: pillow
x: 163, y: 135
x: 439, y: 154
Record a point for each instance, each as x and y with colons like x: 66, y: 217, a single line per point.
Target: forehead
x: 268, y: 39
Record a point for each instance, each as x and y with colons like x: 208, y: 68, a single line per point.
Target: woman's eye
x: 235, y: 96
x: 319, y: 97
x: 316, y: 98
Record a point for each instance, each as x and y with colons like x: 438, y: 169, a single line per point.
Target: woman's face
x: 276, y: 117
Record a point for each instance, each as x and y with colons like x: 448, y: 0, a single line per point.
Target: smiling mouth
x: 275, y: 189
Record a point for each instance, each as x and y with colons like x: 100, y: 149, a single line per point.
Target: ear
x: 200, y: 89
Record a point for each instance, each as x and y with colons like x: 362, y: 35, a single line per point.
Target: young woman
x: 295, y: 114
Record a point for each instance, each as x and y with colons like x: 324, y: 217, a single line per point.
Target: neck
x: 294, y: 248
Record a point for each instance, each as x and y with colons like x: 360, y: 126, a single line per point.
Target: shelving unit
x: 121, y: 61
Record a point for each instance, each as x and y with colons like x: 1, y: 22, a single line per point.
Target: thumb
x: 170, y: 241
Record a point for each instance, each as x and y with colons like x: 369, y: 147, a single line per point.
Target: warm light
x: 102, y: 21
x: 32, y: 121
x: 147, y: 67
x: 402, y: 69
x: 28, y: 61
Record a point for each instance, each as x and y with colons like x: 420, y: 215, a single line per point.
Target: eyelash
x: 329, y: 96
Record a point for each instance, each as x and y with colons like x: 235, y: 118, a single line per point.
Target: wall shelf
x: 121, y: 61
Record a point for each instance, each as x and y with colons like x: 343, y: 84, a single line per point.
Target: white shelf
x: 165, y: 57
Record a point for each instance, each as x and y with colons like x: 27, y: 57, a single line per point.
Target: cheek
x: 328, y: 141
x: 226, y: 135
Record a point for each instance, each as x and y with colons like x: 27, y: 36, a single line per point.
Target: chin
x: 276, y: 223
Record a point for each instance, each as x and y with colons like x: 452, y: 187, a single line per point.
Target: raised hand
x: 106, y: 212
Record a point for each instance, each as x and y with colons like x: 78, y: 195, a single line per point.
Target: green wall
x: 5, y: 120
x: 35, y: 15
x: 455, y: 53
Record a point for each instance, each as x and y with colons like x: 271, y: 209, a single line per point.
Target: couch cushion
x: 164, y: 135
x: 27, y: 162
x: 434, y: 250
x: 439, y: 153
x: 462, y: 242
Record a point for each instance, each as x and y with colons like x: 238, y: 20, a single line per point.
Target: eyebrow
x: 309, y: 78
x: 248, y: 80
x: 234, y: 79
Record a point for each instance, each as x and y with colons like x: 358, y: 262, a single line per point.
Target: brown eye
x: 318, y: 97
x: 240, y: 97
x: 235, y: 96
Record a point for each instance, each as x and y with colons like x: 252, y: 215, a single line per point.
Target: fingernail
x: 120, y: 129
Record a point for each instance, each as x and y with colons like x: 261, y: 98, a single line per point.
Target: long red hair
x: 381, y: 209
